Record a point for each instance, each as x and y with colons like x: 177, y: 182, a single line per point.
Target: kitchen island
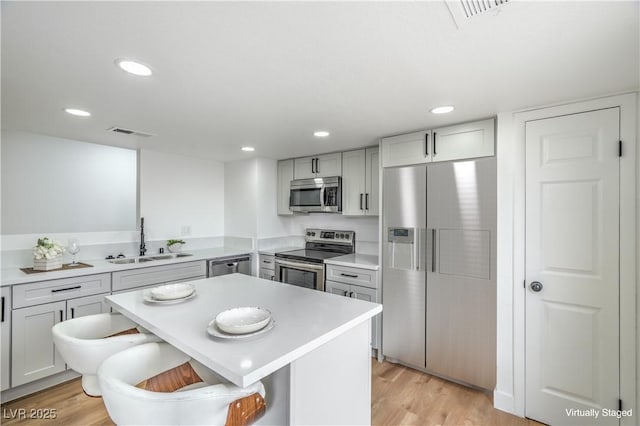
x: 314, y: 363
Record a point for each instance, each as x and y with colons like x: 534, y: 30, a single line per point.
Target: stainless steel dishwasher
x: 229, y: 265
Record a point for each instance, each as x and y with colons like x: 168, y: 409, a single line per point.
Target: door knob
x: 536, y: 286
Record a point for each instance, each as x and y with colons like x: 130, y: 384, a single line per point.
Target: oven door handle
x: 300, y: 265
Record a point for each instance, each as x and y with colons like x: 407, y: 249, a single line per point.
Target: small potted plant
x: 47, y: 255
x: 175, y: 246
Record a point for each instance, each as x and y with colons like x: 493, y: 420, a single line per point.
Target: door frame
x: 510, y: 390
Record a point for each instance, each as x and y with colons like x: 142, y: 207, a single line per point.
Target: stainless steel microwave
x: 316, y: 195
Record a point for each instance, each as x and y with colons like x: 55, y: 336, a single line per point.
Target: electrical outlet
x: 186, y: 230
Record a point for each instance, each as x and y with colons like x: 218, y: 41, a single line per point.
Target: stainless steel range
x: 305, y: 267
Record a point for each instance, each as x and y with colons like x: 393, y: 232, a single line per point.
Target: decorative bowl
x: 175, y: 248
x: 172, y: 291
x: 243, y: 320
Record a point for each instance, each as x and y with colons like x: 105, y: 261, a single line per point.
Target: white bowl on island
x: 243, y: 320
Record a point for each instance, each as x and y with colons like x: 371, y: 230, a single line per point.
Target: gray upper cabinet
x: 285, y: 176
x: 458, y: 142
x: 318, y: 166
x: 5, y: 333
x: 404, y: 150
x: 360, y: 189
x: 469, y: 140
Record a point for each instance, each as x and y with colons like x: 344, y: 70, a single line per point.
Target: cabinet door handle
x: 426, y: 144
x: 66, y: 289
x: 266, y: 261
x: 73, y: 312
x: 348, y: 275
x: 366, y: 201
x: 351, y: 295
x: 345, y: 293
x: 317, y: 168
x: 61, y: 315
x: 2, y: 309
x: 434, y: 143
x: 361, y: 201
x: 313, y: 162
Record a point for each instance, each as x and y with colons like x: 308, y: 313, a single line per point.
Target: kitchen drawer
x: 124, y: 280
x: 349, y: 275
x: 267, y: 262
x: 42, y: 292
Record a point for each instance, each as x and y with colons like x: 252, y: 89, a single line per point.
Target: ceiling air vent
x: 463, y: 10
x: 123, y: 131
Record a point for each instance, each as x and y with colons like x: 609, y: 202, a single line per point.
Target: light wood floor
x: 400, y: 396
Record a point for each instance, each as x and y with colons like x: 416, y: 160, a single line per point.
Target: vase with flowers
x: 47, y: 255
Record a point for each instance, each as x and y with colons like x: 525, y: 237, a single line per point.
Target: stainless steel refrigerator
x: 439, y: 269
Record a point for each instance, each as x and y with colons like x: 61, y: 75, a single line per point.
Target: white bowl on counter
x: 243, y: 320
x: 172, y: 291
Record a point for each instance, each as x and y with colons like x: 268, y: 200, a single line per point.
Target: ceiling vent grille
x: 463, y: 10
x: 123, y: 131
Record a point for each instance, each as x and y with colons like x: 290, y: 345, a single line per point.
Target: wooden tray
x: 64, y: 267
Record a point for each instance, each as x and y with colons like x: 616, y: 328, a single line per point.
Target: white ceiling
x: 229, y: 74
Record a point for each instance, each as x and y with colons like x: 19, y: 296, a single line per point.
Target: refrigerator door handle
x: 433, y: 249
x: 420, y: 252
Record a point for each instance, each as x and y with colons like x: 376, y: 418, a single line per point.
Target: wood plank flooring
x: 400, y: 396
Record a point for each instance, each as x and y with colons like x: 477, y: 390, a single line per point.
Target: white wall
x: 174, y: 190
x: 61, y: 185
x: 269, y: 224
x: 240, y: 198
x: 181, y: 196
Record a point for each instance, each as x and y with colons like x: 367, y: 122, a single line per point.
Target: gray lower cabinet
x: 89, y: 305
x: 267, y: 267
x: 144, y: 277
x: 357, y: 292
x: 33, y: 354
x: 5, y: 334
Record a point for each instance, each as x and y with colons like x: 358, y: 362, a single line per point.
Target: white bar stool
x: 156, y: 384
x: 85, y: 342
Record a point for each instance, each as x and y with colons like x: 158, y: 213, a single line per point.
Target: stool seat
x: 156, y: 384
x: 85, y: 342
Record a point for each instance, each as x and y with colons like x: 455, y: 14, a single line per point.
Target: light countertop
x: 273, y: 251
x: 304, y: 320
x: 12, y: 276
x: 355, y: 260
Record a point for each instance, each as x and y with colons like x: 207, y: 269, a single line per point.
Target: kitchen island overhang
x: 315, y: 362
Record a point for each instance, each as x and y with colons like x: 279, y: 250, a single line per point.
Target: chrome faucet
x: 143, y: 248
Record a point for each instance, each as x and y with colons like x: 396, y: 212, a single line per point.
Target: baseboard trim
x: 38, y: 385
x: 505, y: 402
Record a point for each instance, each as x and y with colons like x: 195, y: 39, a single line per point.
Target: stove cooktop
x: 316, y: 256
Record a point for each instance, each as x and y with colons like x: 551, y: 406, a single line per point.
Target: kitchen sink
x: 130, y: 260
x: 163, y: 257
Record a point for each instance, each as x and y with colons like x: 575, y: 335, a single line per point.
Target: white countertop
x: 356, y: 260
x: 304, y: 320
x: 273, y: 251
x: 12, y: 276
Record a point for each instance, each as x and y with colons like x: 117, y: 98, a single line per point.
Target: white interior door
x: 572, y: 250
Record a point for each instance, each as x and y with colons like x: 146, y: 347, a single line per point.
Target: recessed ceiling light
x: 77, y: 112
x: 442, y: 109
x: 248, y: 148
x: 134, y: 67
x: 321, y: 134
